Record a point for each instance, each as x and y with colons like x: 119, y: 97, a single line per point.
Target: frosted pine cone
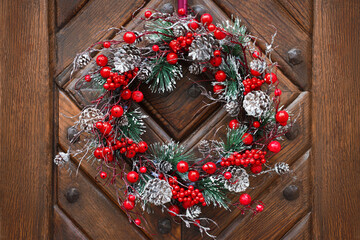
x: 239, y: 181
x: 144, y: 73
x: 258, y: 65
x: 83, y: 60
x: 164, y: 166
x: 61, y: 158
x: 204, y: 147
x: 195, y: 69
x: 88, y: 118
x: 256, y: 103
x: 127, y: 58
x: 232, y: 108
x: 123, y: 121
x: 157, y: 192
x: 201, y: 48
x: 179, y: 30
x: 281, y: 168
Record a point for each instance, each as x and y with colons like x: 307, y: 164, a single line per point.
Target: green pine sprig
x: 160, y: 26
x: 239, y: 31
x: 136, y: 126
x: 214, y: 192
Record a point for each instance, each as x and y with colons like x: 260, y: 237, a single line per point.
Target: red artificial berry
x: 117, y: 111
x: 234, y: 124
x: 174, y: 209
x: 256, y: 54
x: 282, y: 116
x: 137, y: 221
x: 131, y: 198
x: 181, y: 11
x: 98, y: 153
x: 247, y: 138
x: 99, y: 125
x: 216, y: 61
x: 155, y: 48
x: 182, y: 166
x: 106, y: 44
x: 132, y: 177
x: 107, y: 128
x: 256, y: 124
x: 227, y: 175
x: 209, y: 167
x: 256, y: 168
x: 255, y: 72
x: 137, y: 96
x: 270, y: 78
x: 128, y: 205
x: 218, y: 88
x: 103, y: 175
x: 206, y: 19
x: 217, y: 53
x: 126, y: 94
x: 259, y: 208
x: 277, y: 92
x: 186, y: 204
x: 245, y: 199
x: 129, y: 37
x: 211, y: 27
x: 142, y: 146
x: 193, y: 176
x: 274, y: 147
x: 130, y: 154
x: 101, y: 60
x: 172, y: 58
x: 148, y: 14
x: 87, y: 78
x: 220, y: 76
x: 193, y: 25
x: 219, y: 34
x: 143, y: 169
x: 105, y: 72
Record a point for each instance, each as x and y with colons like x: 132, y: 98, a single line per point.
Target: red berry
x: 143, y: 169
x: 142, y: 146
x: 259, y: 207
x: 245, y: 199
x: 270, y: 78
x: 256, y: 168
x: 193, y: 25
x: 126, y: 94
x: 137, y: 96
x: 218, y: 88
x: 219, y: 34
x: 101, y: 60
x: 211, y: 27
x: 103, y: 175
x: 227, y: 175
x: 132, y: 177
x: 131, y: 198
x: 277, y: 92
x: 117, y: 111
x: 234, y: 124
x: 255, y: 72
x: 129, y: 37
x: 247, y: 138
x: 172, y: 58
x: 182, y: 166
x: 128, y: 205
x: 105, y: 72
x: 175, y: 209
x: 155, y: 48
x: 106, y: 44
x: 216, y: 61
x: 87, y: 78
x: 181, y: 11
x: 256, y: 124
x: 107, y: 128
x: 148, y: 14
x: 193, y: 176
x: 256, y: 54
x: 206, y: 19
x: 217, y: 53
x: 220, y: 76
x: 282, y: 116
x: 137, y: 221
x: 209, y: 167
x: 274, y: 146
x: 130, y: 154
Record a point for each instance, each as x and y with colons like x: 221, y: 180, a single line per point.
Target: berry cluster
x: 188, y: 197
x: 114, y: 80
x: 252, y: 84
x: 181, y: 43
x: 254, y: 157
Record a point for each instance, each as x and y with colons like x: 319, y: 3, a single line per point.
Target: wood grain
x: 66, y: 9
x: 336, y: 117
x: 26, y: 120
x: 301, y: 229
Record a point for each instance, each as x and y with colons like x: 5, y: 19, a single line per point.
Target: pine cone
x: 179, y: 30
x: 258, y: 65
x: 123, y: 121
x: 201, y: 48
x: 127, y: 58
x: 256, y: 103
x: 232, y: 108
x: 144, y: 73
x: 156, y: 191
x: 239, y: 181
x: 88, y: 118
x: 195, y: 69
x: 204, y: 147
x: 281, y: 168
x: 61, y: 158
x: 164, y: 166
x: 83, y: 60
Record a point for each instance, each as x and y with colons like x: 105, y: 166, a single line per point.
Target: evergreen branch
x: 136, y: 126
x: 160, y: 26
x: 214, y: 192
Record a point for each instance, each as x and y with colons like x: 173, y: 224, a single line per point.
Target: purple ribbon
x: 182, y: 4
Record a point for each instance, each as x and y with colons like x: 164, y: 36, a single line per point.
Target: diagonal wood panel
x: 66, y: 9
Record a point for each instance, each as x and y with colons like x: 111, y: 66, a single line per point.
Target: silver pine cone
x: 83, y: 60
x: 61, y: 158
x: 123, y: 121
x: 281, y: 168
x: 195, y: 69
x: 164, y: 166
x: 239, y: 181
x: 256, y: 103
x: 88, y: 117
x: 258, y: 65
x: 179, y: 30
x: 201, y: 48
x: 233, y: 108
x: 156, y: 191
x: 204, y: 147
x: 127, y: 58
x: 144, y: 73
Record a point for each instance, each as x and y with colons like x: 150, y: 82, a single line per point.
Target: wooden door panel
x: 67, y: 9
x: 64, y: 228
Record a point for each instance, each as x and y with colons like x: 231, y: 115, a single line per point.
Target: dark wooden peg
x: 293, y: 132
x: 167, y: 8
x: 72, y: 135
x: 194, y: 91
x: 164, y: 226
x: 295, y: 56
x: 291, y: 192
x: 72, y: 195
x: 199, y: 10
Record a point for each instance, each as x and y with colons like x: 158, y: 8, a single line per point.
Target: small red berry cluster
x: 188, y: 197
x: 181, y: 43
x: 115, y: 80
x: 254, y: 157
x: 252, y: 84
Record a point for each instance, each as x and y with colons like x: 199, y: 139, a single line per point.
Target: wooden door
x: 44, y: 201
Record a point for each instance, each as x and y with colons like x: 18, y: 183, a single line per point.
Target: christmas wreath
x: 164, y: 174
